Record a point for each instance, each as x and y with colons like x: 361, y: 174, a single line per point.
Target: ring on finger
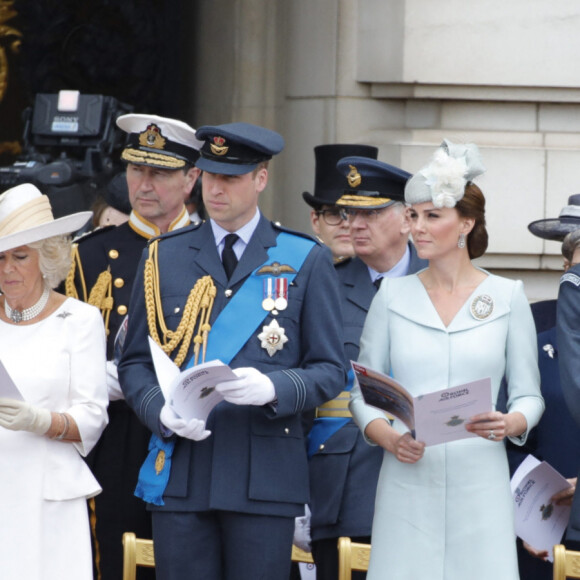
x: 491, y: 435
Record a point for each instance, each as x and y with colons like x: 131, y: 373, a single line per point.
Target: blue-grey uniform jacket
x: 255, y: 459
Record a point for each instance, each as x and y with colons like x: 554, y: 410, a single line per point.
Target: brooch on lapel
x: 481, y: 307
x: 549, y: 350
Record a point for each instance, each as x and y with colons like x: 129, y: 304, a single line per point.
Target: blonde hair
x: 54, y: 258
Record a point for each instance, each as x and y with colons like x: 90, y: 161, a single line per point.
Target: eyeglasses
x: 368, y: 215
x: 332, y: 217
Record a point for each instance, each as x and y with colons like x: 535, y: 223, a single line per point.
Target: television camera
x: 71, y: 148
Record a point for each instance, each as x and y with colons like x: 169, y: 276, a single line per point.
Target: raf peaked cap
x: 236, y: 148
x: 557, y: 228
x: 371, y: 184
x: 158, y: 141
x: 328, y: 181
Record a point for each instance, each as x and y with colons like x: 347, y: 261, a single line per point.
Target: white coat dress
x: 450, y: 515
x: 57, y: 363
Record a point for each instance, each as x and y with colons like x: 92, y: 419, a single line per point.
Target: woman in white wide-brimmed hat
x: 53, y: 395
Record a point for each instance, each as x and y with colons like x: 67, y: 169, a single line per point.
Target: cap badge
x: 354, y: 178
x: 273, y: 337
x: 482, y: 307
x: 152, y: 137
x: 218, y: 147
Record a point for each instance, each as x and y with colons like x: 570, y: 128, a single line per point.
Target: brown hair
x: 472, y: 205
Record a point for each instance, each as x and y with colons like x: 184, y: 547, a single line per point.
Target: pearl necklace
x: 28, y: 313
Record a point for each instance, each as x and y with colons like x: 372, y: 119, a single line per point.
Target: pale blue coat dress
x: 450, y: 515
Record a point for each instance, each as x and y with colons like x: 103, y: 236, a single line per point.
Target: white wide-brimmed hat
x: 26, y: 217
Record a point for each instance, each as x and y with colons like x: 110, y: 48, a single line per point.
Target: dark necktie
x: 229, y: 258
x: 377, y: 282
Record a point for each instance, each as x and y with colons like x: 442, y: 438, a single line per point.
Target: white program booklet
x: 191, y: 393
x: 433, y: 418
x: 538, y: 521
x: 7, y: 387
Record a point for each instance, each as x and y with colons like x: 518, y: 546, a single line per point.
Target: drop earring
x: 461, y: 241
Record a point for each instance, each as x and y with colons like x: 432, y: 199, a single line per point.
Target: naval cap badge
x: 152, y: 137
x: 482, y: 306
x: 273, y: 337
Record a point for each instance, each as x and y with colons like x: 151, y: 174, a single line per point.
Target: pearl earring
x: 461, y: 241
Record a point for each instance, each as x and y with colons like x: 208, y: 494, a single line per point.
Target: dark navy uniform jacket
x: 344, y: 472
x: 117, y: 249
x: 255, y: 459
x: 568, y: 332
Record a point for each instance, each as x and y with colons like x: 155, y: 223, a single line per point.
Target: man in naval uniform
x: 160, y: 156
x: 225, y: 493
x: 343, y: 468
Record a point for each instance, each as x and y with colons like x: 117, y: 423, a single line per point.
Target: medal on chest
x: 275, y: 299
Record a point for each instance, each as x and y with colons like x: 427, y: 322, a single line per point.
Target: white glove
x: 113, y: 386
x: 193, y: 429
x: 250, y: 388
x: 22, y: 416
x: 302, y: 531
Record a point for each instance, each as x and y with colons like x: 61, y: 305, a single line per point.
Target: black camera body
x: 71, y: 148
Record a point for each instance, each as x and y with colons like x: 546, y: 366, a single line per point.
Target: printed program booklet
x: 433, y: 418
x: 538, y: 521
x: 191, y: 393
x: 7, y: 387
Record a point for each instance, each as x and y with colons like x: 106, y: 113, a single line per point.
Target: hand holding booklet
x: 191, y: 393
x: 538, y: 520
x: 433, y: 418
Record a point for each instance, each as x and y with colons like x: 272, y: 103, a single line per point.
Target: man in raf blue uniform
x: 224, y: 494
x: 160, y: 156
x: 343, y: 468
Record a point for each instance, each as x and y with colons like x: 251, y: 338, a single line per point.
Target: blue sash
x: 324, y: 428
x: 243, y: 312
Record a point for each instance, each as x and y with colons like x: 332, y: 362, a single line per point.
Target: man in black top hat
x: 343, y: 468
x: 328, y: 222
x: 160, y: 156
x: 224, y: 492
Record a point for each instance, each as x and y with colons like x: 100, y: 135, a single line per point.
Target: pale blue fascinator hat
x: 443, y: 180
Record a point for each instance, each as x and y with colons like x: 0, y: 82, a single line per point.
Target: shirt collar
x: 245, y: 232
x: 149, y: 230
x: 399, y: 269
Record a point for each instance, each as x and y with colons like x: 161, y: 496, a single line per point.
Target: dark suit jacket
x: 344, y: 473
x: 255, y: 459
x: 568, y: 333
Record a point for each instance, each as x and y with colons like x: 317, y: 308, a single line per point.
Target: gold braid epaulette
x: 69, y: 284
x: 101, y: 295
x: 197, y: 310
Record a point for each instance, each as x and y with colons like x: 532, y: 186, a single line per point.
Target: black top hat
x: 236, y: 148
x: 371, y: 184
x: 557, y: 228
x: 328, y: 181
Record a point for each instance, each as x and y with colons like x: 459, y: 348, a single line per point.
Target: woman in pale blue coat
x: 445, y: 512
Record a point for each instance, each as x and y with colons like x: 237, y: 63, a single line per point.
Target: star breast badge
x: 273, y: 337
